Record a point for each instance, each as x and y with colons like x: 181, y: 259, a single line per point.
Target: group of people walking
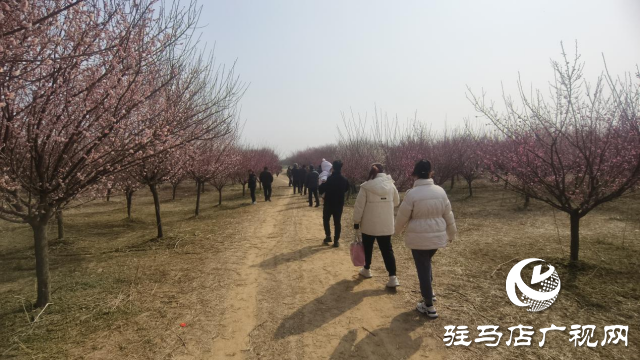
x: 266, y: 180
x: 425, y: 212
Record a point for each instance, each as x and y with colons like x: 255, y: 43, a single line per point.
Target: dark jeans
x: 290, y: 181
x: 384, y: 243
x: 267, y: 192
x: 311, y: 193
x: 253, y: 194
x: 297, y: 186
x: 422, y: 258
x: 327, y: 213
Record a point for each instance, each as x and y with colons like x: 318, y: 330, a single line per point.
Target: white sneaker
x: 433, y: 298
x: 253, y: 203
x: 393, y: 282
x: 366, y: 273
x: 430, y: 311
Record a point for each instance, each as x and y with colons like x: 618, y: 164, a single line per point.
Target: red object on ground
x: 183, y: 324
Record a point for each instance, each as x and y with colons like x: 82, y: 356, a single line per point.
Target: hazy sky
x: 308, y: 61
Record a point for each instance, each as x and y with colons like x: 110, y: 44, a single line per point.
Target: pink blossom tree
x: 76, y: 80
x: 574, y: 151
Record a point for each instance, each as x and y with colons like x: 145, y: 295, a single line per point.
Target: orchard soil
x: 254, y: 282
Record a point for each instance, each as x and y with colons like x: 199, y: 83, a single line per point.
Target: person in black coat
x: 266, y: 179
x: 295, y: 177
x: 252, y: 182
x: 334, y: 189
x: 303, y: 177
x: 312, y: 185
x: 289, y: 176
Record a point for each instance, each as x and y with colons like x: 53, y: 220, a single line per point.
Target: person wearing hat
x: 431, y: 226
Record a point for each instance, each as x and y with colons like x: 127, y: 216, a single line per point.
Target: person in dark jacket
x: 333, y: 189
x: 266, y: 179
x: 252, y: 182
x: 312, y: 185
x: 289, y: 175
x: 303, y: 177
x: 295, y: 177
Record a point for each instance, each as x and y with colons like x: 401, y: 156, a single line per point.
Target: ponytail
x: 376, y: 169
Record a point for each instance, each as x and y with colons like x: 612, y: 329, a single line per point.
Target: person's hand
x: 356, y: 226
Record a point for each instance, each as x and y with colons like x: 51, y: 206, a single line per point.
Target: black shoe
x: 310, y: 205
x: 327, y: 241
x: 336, y: 244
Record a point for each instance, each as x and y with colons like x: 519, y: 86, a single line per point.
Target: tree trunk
x: 453, y: 181
x: 526, y: 201
x: 198, y: 198
x: 173, y: 194
x: 60, y: 224
x: 470, y: 188
x: 220, y: 196
x: 129, y: 196
x: 243, y: 186
x: 41, y: 246
x: 156, y: 202
x: 108, y: 194
x: 575, y: 235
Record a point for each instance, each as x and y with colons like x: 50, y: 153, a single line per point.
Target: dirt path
x: 294, y: 298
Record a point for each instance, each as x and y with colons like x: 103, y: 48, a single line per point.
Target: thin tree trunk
x: 453, y: 181
x: 575, y: 235
x: 156, y: 202
x: 41, y: 246
x: 220, y: 196
x: 173, y: 194
x: 526, y: 201
x: 470, y: 188
x: 60, y: 225
x: 108, y: 194
x: 129, y: 196
x: 198, y: 198
x: 243, y: 186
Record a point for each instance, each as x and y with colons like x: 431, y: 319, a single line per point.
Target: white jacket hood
x: 325, y: 166
x: 380, y: 186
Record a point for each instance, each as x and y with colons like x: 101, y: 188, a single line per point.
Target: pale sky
x: 308, y: 61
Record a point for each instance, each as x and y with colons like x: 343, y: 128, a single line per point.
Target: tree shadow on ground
x: 393, y: 342
x: 336, y: 300
x: 297, y: 255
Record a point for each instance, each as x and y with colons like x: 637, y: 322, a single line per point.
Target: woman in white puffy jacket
x: 373, y: 215
x: 427, y: 210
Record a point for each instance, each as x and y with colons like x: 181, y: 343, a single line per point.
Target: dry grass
x: 110, y: 275
x: 118, y: 293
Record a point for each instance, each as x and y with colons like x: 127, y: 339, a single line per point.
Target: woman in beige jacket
x: 431, y: 226
x: 373, y: 215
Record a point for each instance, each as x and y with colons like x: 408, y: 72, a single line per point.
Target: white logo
x: 534, y: 300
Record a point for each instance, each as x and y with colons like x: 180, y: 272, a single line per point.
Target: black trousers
x: 300, y: 184
x: 422, y: 258
x: 253, y: 194
x: 290, y: 181
x: 267, y: 192
x: 384, y: 243
x: 327, y: 213
x: 313, y: 192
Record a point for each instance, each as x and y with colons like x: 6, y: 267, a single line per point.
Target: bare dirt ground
x: 254, y: 282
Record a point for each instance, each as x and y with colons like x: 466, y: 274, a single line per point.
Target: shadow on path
x: 391, y: 342
x: 337, y: 300
x: 284, y: 258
